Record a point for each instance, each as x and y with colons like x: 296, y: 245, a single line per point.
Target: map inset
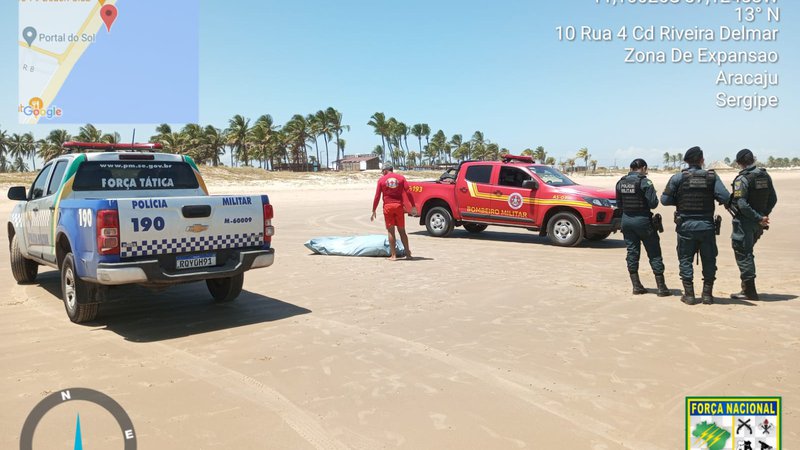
x: 108, y: 61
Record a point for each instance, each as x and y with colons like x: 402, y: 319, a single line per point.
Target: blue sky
x: 469, y: 65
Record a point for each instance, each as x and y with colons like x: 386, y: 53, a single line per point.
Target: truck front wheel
x: 565, y: 229
x: 23, y: 269
x: 439, y: 221
x: 75, y: 291
x: 225, y: 289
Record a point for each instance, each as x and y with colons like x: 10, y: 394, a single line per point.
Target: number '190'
x: 146, y: 223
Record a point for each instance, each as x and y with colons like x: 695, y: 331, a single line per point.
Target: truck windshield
x: 134, y: 175
x: 551, y: 176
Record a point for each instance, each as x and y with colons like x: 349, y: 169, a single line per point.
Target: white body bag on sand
x: 373, y: 245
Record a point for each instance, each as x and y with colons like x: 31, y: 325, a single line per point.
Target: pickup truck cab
x: 112, y: 214
x: 516, y: 192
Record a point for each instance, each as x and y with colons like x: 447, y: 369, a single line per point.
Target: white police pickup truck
x: 120, y: 214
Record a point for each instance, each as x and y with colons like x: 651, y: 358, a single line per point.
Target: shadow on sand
x: 612, y: 242
x: 763, y: 298
x: 139, y: 314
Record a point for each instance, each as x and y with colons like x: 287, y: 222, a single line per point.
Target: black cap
x: 693, y: 155
x: 388, y: 167
x: 745, y: 156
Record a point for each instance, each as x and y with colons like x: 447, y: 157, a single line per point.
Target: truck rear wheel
x: 475, y: 227
x: 74, y: 290
x: 565, y: 229
x: 225, y: 289
x: 23, y: 269
x: 439, y: 221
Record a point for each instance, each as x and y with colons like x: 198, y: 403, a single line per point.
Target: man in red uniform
x: 392, y: 186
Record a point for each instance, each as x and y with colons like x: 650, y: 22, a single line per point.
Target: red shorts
x: 395, y: 215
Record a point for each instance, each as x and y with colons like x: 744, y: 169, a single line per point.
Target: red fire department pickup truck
x: 516, y: 192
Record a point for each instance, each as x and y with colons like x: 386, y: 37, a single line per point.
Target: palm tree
x: 478, y: 145
x: 298, y: 134
x: 264, y: 139
x: 325, y: 130
x: 540, y: 154
x: 440, y: 145
x: 30, y: 147
x: 594, y: 165
x: 336, y: 126
x: 3, y: 149
x: 667, y: 159
x: 89, y: 133
x: 381, y: 126
x: 455, y: 143
x: 238, y: 133
x: 571, y: 164
x: 583, y: 154
x: 214, y: 141
x: 315, y: 130
x: 52, y: 146
x: 679, y: 159
x: 17, y: 149
x: 111, y: 138
x: 418, y: 131
x: 492, y: 151
x: 550, y: 161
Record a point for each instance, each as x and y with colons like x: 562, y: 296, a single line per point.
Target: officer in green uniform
x: 693, y: 192
x: 752, y: 202
x: 636, y: 196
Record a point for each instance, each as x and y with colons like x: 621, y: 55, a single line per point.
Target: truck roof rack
x: 79, y: 147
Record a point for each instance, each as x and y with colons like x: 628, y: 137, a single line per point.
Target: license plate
x: 195, y: 261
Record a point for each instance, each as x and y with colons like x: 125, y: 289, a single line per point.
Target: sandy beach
x: 492, y: 341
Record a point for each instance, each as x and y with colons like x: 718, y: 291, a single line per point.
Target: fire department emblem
x: 392, y: 183
x: 515, y: 201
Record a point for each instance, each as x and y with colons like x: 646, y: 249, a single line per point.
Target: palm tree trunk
x: 327, y: 153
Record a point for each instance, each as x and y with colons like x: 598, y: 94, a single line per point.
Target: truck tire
x: 74, y: 289
x: 565, y: 229
x: 475, y: 227
x: 439, y: 221
x: 23, y: 269
x: 225, y: 289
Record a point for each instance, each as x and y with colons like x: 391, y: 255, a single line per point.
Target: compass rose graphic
x: 87, y: 395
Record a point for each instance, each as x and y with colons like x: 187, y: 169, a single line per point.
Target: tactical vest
x: 696, y: 193
x: 758, y: 184
x: 631, y: 195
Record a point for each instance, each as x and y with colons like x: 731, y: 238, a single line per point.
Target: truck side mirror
x: 17, y: 193
x: 530, y: 184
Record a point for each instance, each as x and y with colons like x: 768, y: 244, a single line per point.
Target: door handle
x: 35, y: 209
x: 497, y: 193
x: 463, y: 190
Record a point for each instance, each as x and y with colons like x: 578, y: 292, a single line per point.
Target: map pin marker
x: 29, y: 34
x: 109, y: 14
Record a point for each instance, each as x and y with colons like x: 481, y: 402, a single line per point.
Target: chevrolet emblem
x: 197, y: 228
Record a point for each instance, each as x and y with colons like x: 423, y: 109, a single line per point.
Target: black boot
x: 688, y: 293
x: 748, y: 291
x: 637, y: 284
x: 708, y: 287
x: 663, y: 291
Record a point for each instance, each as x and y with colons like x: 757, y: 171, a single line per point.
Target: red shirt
x: 392, y: 186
